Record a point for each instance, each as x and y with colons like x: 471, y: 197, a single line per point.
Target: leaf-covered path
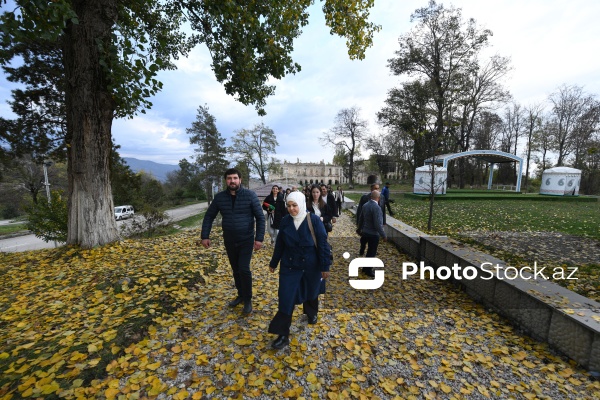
x: 148, y: 319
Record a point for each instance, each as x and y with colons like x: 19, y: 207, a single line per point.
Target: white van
x: 123, y: 212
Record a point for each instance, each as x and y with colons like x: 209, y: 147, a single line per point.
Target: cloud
x: 152, y: 138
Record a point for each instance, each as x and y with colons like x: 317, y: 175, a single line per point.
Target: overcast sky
x: 549, y: 42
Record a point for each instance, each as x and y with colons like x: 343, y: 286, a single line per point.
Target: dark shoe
x: 247, y: 307
x: 280, y: 342
x: 235, y: 302
x: 312, y: 320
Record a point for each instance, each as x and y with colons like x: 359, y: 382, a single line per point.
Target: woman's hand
x: 324, y: 274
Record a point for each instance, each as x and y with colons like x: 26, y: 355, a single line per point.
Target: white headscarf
x: 299, y: 199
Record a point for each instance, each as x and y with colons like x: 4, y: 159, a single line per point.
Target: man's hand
x: 271, y: 269
x: 257, y: 245
x: 206, y: 243
x: 324, y: 274
x: 384, y: 239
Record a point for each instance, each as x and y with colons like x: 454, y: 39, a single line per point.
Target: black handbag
x: 328, y: 226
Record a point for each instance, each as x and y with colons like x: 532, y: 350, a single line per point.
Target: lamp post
x: 48, y: 163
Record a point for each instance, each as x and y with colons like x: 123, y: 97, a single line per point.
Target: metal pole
x: 47, y: 184
x: 491, y: 177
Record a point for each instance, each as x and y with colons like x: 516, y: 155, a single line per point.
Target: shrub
x: 49, y: 221
x: 10, y: 211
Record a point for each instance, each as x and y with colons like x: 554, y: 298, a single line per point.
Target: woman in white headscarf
x: 302, y: 266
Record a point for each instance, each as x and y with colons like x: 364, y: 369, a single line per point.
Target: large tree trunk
x: 90, y: 110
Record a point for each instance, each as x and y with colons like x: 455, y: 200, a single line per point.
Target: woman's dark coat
x: 326, y: 212
x: 280, y: 208
x: 301, y: 263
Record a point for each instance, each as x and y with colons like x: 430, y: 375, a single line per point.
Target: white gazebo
x: 561, y: 181
x: 490, y: 156
x: 423, y: 180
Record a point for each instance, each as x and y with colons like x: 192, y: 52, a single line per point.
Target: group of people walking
x: 319, y: 201
x: 298, y: 224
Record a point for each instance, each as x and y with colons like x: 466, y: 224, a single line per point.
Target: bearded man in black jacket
x: 240, y: 209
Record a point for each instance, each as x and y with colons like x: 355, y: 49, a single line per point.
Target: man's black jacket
x: 238, y: 216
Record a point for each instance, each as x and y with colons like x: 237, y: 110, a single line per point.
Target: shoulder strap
x: 310, y: 226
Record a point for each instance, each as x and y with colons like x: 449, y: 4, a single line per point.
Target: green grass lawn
x: 12, y: 228
x: 453, y: 217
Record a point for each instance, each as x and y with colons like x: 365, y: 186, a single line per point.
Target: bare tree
x: 255, y: 147
x: 532, y: 124
x: 349, y: 132
x: 441, y: 49
x: 482, y: 92
x: 486, y: 136
x: 590, y: 180
x: 408, y: 115
x: 382, y: 153
x: 569, y: 103
x: 544, y: 141
x: 513, y: 125
x: 585, y: 128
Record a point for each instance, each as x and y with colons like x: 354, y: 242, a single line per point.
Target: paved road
x: 30, y: 242
x: 9, y: 222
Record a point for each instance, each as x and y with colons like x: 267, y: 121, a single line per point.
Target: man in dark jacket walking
x: 239, y: 208
x: 385, y: 195
x: 370, y: 225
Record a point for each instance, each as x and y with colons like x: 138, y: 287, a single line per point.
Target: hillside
x: 159, y: 171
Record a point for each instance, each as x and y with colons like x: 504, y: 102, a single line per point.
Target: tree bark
x: 90, y: 110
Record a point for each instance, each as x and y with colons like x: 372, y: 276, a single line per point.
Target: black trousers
x: 371, y: 242
x: 240, y: 255
x: 366, y: 239
x: 389, y: 207
x: 281, y: 322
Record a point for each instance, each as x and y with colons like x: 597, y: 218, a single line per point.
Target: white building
x: 300, y: 173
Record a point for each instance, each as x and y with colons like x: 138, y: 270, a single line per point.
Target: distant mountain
x: 159, y: 171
